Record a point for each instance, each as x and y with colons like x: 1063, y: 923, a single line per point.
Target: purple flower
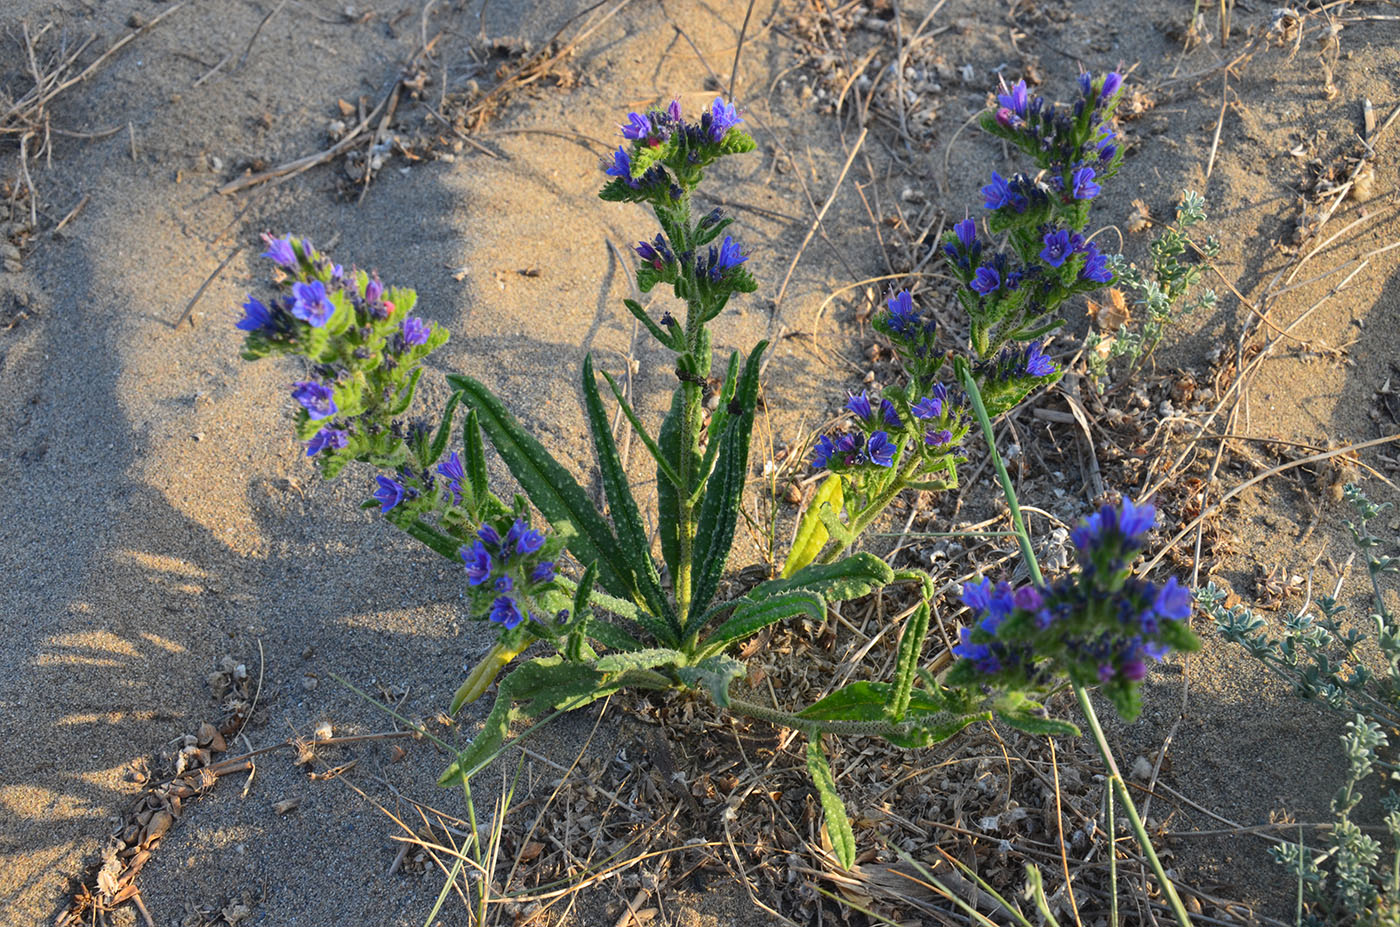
x: 1017, y: 100
x: 978, y: 596
x: 622, y: 167
x: 1058, y: 246
x: 638, y: 126
x: 478, y: 561
x: 333, y: 438
x: 902, y: 319
x: 543, y: 572
x: 725, y: 258
x: 374, y: 290
x: 1082, y: 185
x: 505, y: 611
x: 416, y: 331
x: 890, y: 414
x: 1037, y: 364
x: 980, y: 655
x: 1095, y: 266
x: 674, y: 110
x: 489, y: 536
x: 1001, y: 193
x: 281, y: 250
x: 453, y: 473
x: 938, y: 437
x: 1111, y: 83
x: 860, y: 405
x: 1028, y: 599
x: 966, y: 231
x: 1173, y: 602
x: 880, y: 449
x: 310, y: 303
x: 986, y: 281
x: 504, y: 584
x: 931, y: 407
x: 723, y: 117
x: 821, y: 454
x: 389, y: 494
x: 315, y: 398
x: 525, y: 539
x: 256, y: 317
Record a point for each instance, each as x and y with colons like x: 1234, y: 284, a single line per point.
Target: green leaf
x: 474, y: 460
x: 581, y: 616
x: 551, y: 488
x: 611, y: 636
x: 838, y: 825
x: 910, y: 646
x: 638, y: 660
x: 662, y: 464
x: 668, y: 495
x: 545, y: 683
x: 444, y: 430
x: 811, y: 533
x: 714, y: 673
x: 866, y: 701
x: 405, y: 396
x: 1020, y: 711
x: 718, y: 420
x: 657, y: 332
x: 927, y: 733
x: 752, y: 615
x: 441, y: 543
x: 719, y: 510
x: 631, y: 534
x: 847, y: 578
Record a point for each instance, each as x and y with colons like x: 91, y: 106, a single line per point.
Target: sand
x: 160, y: 517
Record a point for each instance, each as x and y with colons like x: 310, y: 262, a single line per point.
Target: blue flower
x: 622, y: 167
x: 638, y: 126
x: 986, y: 281
x: 315, y: 398
x: 416, y: 331
x: 966, y: 231
x: 1059, y: 245
x: 1000, y: 192
x: 1111, y: 83
x: 389, y: 494
x: 860, y: 405
x: 890, y: 414
x: 1082, y: 185
x: 281, y: 250
x: 504, y: 584
x: 478, y: 561
x: 903, y: 320
x: 256, y: 317
x: 1017, y: 101
x: 726, y: 257
x: 674, y: 110
x: 723, y: 117
x: 930, y: 407
x: 311, y: 303
x: 1037, y: 364
x: 525, y: 539
x: 1095, y: 266
x: 979, y: 655
x: 489, y: 536
x: 821, y: 454
x: 543, y: 572
x: 453, y: 472
x: 880, y: 449
x: 505, y: 611
x: 938, y: 437
x: 1173, y: 602
x: 333, y: 438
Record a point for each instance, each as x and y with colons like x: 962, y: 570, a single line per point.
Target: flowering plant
x: 626, y: 618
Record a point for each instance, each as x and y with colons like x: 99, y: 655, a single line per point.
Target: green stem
x: 1115, y: 777
x: 813, y: 728
x: 863, y: 519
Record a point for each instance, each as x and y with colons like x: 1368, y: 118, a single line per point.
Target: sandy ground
x: 160, y: 517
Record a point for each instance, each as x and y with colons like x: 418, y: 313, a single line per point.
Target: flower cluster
x: 1099, y: 626
x: 363, y: 345
x: 511, y: 571
x: 1007, y: 379
x: 667, y: 155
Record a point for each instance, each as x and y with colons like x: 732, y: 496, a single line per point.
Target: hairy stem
x: 863, y: 519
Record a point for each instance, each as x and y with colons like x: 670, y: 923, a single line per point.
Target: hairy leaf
x: 838, y: 825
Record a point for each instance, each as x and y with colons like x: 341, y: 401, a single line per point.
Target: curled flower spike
x: 1125, y: 526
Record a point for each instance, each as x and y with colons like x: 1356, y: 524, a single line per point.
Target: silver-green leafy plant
x: 1162, y: 292
x: 1324, y: 660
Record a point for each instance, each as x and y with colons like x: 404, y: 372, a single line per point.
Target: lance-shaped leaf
x: 838, y: 825
x: 719, y: 510
x: 405, y: 396
x: 848, y: 578
x: 542, y: 684
x: 714, y: 673
x: 811, y: 533
x: 668, y: 494
x: 638, y: 660
x: 663, y: 465
x: 718, y: 420
x: 676, y: 342
x: 444, y: 430
x: 445, y: 545
x: 551, y: 488
x: 910, y: 646
x: 474, y: 460
x: 1020, y: 711
x: 631, y: 533
x: 751, y: 615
